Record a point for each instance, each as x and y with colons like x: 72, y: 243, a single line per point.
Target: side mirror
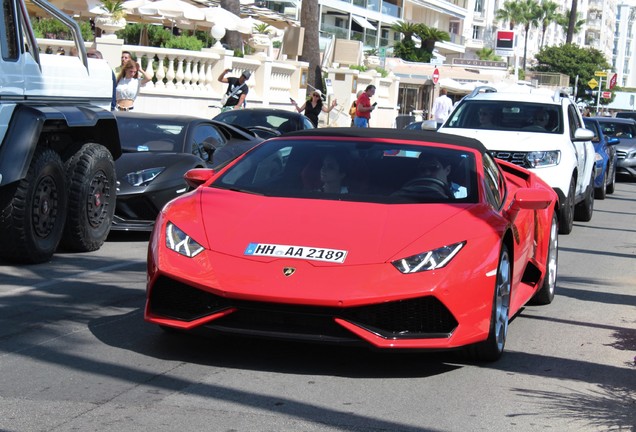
x: 613, y: 141
x: 198, y: 176
x: 582, y: 134
x: 530, y: 199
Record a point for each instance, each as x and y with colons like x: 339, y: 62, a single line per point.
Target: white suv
x: 541, y: 132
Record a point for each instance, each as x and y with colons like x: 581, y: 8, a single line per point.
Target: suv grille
x: 621, y: 154
x: 517, y: 158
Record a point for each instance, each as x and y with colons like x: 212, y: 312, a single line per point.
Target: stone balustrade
x: 186, y: 82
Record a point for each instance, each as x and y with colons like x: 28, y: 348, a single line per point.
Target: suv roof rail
x: 482, y: 89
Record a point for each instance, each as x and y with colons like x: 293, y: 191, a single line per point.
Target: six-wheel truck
x: 58, y: 142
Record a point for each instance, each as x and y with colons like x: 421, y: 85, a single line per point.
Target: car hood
x: 369, y: 233
x: 626, y: 144
x: 510, y: 140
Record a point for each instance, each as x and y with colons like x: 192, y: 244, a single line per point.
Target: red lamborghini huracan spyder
x: 392, y: 238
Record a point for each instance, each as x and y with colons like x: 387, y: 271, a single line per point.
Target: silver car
x: 625, y: 130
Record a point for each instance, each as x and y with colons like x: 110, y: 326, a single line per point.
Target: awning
x: 363, y: 22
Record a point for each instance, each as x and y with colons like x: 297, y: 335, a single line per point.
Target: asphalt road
x: 76, y: 355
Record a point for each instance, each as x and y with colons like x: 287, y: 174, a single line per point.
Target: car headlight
x: 539, y: 159
x: 631, y: 155
x: 431, y: 260
x: 143, y: 177
x: 180, y: 242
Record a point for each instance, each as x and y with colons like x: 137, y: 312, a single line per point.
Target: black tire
x: 545, y: 295
x: 492, y: 348
x: 566, y: 210
x: 599, y: 192
x: 91, y: 204
x: 585, y: 209
x: 611, y: 184
x: 33, y: 213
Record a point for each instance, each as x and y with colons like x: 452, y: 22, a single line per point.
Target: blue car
x: 604, y: 145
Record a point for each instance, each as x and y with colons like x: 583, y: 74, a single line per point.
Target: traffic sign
x: 592, y: 83
x: 602, y: 74
x: 435, y: 76
x: 606, y: 95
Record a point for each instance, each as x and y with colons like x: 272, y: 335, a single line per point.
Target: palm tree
x: 510, y: 12
x: 487, y: 54
x: 408, y: 29
x: 233, y: 39
x: 311, y: 47
x: 525, y: 13
x: 549, y: 14
x: 429, y: 36
x: 572, y: 22
x: 563, y: 20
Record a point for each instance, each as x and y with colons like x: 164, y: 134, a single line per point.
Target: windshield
x: 507, y: 116
x: 154, y: 135
x: 346, y: 169
x: 618, y: 129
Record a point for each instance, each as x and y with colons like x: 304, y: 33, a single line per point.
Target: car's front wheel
x: 492, y: 348
x: 599, y: 192
x: 545, y: 295
x: 611, y: 183
x: 585, y: 209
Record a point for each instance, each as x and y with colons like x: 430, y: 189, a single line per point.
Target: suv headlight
x: 538, y: 159
x: 431, y: 260
x: 180, y: 242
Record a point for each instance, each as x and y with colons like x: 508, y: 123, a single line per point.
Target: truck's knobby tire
x: 32, y: 214
x: 90, y: 174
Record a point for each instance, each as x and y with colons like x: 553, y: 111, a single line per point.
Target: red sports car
x: 391, y: 238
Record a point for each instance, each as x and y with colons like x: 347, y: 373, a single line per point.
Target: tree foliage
x: 487, y: 53
x: 406, y: 49
x: 572, y: 60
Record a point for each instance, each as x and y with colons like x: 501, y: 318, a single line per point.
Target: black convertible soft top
x: 391, y: 134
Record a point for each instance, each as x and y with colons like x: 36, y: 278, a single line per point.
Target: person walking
x: 237, y: 90
x: 354, y: 108
x: 314, y: 106
x: 441, y: 108
x: 364, y: 107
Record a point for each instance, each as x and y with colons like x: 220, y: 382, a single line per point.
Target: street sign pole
x: 598, y: 95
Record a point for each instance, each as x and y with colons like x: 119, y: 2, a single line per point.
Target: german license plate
x: 298, y: 252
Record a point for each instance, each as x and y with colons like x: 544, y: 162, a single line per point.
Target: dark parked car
x: 625, y: 130
x: 266, y: 122
x: 157, y: 152
x: 626, y: 114
x: 422, y: 125
x: 604, y: 145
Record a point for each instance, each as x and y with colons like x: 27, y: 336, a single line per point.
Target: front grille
x: 138, y: 207
x: 517, y: 158
x: 621, y: 154
x: 424, y: 317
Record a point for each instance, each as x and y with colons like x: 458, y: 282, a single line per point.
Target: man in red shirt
x: 364, y: 107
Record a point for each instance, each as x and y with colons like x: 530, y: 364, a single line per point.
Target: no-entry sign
x: 435, y: 76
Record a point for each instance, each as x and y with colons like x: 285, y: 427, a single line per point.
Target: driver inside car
x: 434, y: 172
